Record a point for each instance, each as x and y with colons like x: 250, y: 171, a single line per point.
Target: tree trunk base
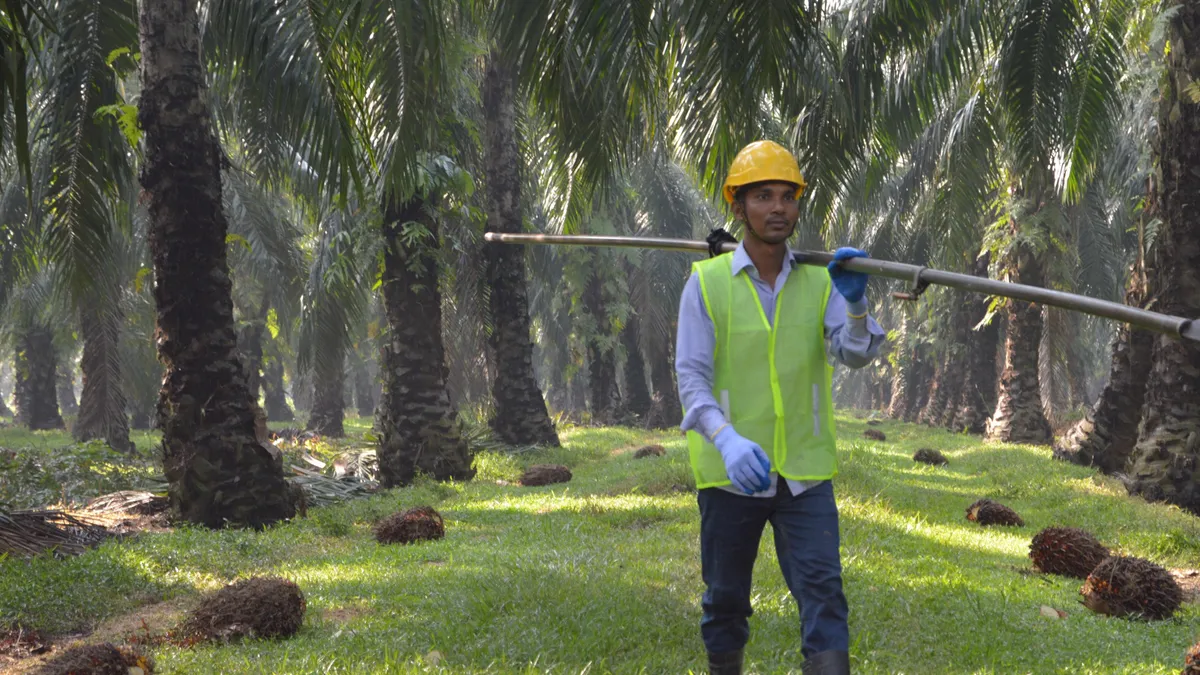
x: 417, y: 426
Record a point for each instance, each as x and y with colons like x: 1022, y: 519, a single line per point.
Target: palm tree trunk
x: 903, y: 384
x: 977, y: 399
x: 938, y: 390
x: 1076, y: 378
x: 668, y: 411
x: 521, y: 416
x: 102, y: 401
x: 329, y: 387
x: 5, y: 376
x: 1019, y: 417
x: 217, y: 470
x: 274, y: 395
x: 364, y: 387
x: 1106, y: 436
x: 416, y: 424
x: 64, y: 383
x: 36, y: 371
x: 302, y: 392
x: 602, y: 358
x: 250, y: 345
x: 637, y: 397
x: 952, y: 384
x: 1165, y: 460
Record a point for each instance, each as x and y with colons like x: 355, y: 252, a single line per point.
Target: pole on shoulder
x: 920, y: 278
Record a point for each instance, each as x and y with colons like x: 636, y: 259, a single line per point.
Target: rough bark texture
x: 250, y: 348
x: 602, y: 358
x: 1019, y: 417
x: 274, y: 395
x: 102, y: 401
x: 910, y: 386
x: 903, y: 385
x: 218, y: 471
x: 329, y: 392
x: 939, y: 389
x: 952, y: 386
x: 520, y: 416
x: 36, y: 369
x: 637, y: 397
x: 1106, y: 436
x: 417, y: 427
x: 65, y: 386
x: 976, y: 400
x: 1164, y: 462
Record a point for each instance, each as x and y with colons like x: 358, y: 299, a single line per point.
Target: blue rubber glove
x: 745, y: 462
x: 852, y: 285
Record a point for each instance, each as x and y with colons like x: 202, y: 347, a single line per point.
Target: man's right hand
x: 745, y: 462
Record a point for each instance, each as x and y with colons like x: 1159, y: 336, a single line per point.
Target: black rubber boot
x: 828, y: 663
x: 729, y: 663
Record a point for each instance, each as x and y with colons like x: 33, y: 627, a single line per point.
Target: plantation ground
x: 602, y: 574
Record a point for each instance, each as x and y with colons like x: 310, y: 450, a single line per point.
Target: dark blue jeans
x: 806, y: 542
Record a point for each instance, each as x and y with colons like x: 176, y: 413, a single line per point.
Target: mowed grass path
x: 602, y: 574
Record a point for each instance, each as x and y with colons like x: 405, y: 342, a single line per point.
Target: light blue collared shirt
x: 852, y: 342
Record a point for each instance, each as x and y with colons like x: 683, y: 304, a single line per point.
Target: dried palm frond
x: 322, y: 490
x: 30, y: 533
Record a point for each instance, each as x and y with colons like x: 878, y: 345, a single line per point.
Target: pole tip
x: 1191, y: 331
x: 489, y: 236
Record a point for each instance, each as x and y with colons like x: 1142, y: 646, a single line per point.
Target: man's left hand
x: 852, y: 285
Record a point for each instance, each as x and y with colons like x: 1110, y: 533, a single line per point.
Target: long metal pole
x: 1174, y: 326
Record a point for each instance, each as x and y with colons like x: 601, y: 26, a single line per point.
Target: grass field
x: 602, y: 574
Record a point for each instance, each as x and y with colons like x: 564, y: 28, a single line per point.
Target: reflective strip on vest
x: 774, y: 383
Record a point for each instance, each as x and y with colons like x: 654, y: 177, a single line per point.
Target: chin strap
x: 716, y: 238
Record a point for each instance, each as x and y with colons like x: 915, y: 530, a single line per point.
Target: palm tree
x: 16, y: 42
x: 1163, y: 464
x: 218, y: 472
x: 418, y: 427
x: 357, y: 116
x: 520, y: 416
x: 35, y: 319
x: 335, y: 299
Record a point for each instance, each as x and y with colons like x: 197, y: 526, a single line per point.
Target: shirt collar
x: 741, y: 260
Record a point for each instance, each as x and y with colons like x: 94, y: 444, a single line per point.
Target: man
x: 755, y: 338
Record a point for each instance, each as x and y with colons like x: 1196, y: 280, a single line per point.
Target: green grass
x: 602, y: 574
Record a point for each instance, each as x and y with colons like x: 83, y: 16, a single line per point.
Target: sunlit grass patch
x: 602, y: 574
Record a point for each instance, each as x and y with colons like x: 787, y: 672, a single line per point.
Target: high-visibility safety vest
x: 772, y: 380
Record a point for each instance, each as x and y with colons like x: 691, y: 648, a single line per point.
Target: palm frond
x: 82, y: 159
x: 335, y: 296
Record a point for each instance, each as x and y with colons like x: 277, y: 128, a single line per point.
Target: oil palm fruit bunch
x: 1132, y: 587
x: 419, y: 523
x: 98, y: 659
x: 1191, y: 662
x: 545, y: 474
x: 257, y: 607
x: 874, y: 434
x: 650, y: 451
x: 928, y: 456
x: 988, y: 512
x: 1068, y: 551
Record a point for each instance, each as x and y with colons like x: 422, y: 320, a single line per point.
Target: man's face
x: 770, y: 211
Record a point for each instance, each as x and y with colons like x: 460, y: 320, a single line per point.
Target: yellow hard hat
x: 760, y: 161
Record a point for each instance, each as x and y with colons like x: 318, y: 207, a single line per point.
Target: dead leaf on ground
x: 1052, y: 613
